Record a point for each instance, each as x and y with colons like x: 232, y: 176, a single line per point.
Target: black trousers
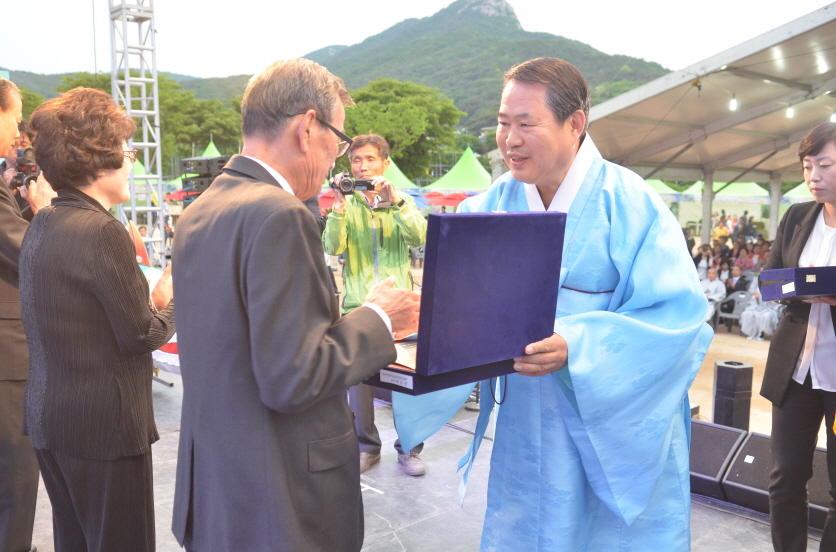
x: 795, y: 426
x: 100, y: 505
x: 18, y: 472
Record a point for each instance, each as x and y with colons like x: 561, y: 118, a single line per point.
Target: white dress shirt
x: 820, y: 346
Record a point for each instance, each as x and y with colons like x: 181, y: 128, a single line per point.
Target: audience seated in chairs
x: 703, y: 261
x: 714, y: 291
x: 737, y: 281
x: 760, y: 317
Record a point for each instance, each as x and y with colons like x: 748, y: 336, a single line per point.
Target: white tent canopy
x: 685, y: 126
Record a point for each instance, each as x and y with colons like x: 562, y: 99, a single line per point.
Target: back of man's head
x: 567, y: 89
x: 8, y: 93
x: 288, y: 87
x: 375, y: 140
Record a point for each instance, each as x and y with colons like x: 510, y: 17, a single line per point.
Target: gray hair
x: 287, y: 87
x: 7, y: 88
x: 566, y: 86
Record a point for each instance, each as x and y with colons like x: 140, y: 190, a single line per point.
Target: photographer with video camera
x: 374, y: 227
x: 19, y: 167
x: 18, y: 466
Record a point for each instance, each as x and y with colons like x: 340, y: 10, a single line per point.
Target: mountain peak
x: 490, y: 8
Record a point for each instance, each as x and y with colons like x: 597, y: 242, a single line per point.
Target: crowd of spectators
x: 735, y: 258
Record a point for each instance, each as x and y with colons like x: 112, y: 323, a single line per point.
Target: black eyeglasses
x: 345, y: 141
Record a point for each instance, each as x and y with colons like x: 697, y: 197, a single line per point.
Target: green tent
x: 661, y: 187
x: 210, y: 151
x: 398, y: 179
x: 466, y: 175
x: 800, y: 191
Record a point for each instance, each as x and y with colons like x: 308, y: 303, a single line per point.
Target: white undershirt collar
x: 279, y: 178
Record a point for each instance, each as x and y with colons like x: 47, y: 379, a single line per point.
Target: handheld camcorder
x: 347, y: 185
x: 27, y: 169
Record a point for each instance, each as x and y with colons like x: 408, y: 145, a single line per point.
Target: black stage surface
x: 420, y: 514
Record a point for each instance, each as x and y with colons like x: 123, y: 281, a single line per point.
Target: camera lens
x: 346, y: 185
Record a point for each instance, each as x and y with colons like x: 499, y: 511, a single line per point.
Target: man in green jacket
x: 375, y: 230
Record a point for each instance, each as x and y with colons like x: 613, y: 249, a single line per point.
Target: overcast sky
x: 214, y: 38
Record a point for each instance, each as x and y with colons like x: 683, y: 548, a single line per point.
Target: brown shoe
x: 412, y: 464
x: 367, y: 460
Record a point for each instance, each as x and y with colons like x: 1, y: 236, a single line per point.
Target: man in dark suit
x: 737, y: 282
x: 268, y: 456
x: 18, y: 466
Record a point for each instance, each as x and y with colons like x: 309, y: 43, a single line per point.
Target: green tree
x: 31, y: 100
x: 416, y: 120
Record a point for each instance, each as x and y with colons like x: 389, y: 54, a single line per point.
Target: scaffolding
x: 134, y: 84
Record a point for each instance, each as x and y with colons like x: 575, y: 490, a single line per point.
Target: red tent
x: 449, y: 200
x: 179, y: 195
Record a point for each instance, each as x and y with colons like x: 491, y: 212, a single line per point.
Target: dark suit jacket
x: 14, y: 365
x: 90, y: 332
x: 268, y: 456
x: 741, y: 285
x: 788, y: 339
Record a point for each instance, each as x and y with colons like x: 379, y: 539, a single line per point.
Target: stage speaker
x: 747, y: 481
x: 712, y: 449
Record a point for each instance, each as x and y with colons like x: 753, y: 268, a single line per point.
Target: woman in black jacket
x: 800, y: 375
x: 91, y: 330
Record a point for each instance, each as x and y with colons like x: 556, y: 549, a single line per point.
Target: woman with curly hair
x: 91, y: 330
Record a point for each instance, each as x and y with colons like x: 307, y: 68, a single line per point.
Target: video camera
x: 347, y: 185
x: 27, y: 169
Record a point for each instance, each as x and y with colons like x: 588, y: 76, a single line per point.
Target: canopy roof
x: 398, y: 179
x: 681, y: 125
x: 466, y: 174
x: 749, y: 189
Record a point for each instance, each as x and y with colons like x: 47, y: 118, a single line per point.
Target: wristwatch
x: 401, y: 202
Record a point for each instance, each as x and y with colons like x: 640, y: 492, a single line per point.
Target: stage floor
x: 417, y: 514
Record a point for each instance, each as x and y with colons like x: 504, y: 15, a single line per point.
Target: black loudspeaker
x: 712, y: 449
x: 747, y: 481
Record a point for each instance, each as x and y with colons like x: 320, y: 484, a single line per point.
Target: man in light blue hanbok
x: 591, y: 450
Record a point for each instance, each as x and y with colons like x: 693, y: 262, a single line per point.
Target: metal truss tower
x: 134, y: 83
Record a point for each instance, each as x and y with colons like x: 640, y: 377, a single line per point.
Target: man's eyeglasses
x: 130, y: 154
x: 345, y: 141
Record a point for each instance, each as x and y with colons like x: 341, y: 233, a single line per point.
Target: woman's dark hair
x: 78, y: 135
x: 816, y: 140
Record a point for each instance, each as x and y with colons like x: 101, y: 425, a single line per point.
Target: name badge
x: 395, y: 378
x: 811, y: 277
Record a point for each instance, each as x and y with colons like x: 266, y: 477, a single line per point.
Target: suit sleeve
x: 312, y: 205
x: 121, y: 288
x: 13, y: 228
x: 301, y: 351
